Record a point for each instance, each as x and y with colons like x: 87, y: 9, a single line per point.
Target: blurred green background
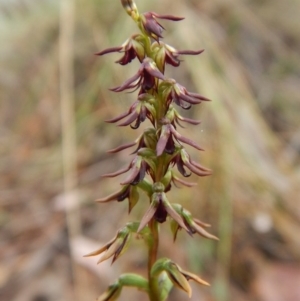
x: 250, y: 131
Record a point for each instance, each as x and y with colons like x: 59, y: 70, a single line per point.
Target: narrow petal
x: 190, y: 52
x: 127, y: 83
x: 101, y: 250
x: 181, y: 181
x: 135, y: 171
x: 131, y: 118
x: 108, y: 50
x: 110, y: 252
x: 148, y: 215
x: 167, y: 17
x: 202, y: 224
x: 189, y: 120
x: 121, y: 147
x: 163, y: 139
x: 174, y: 214
x: 184, y: 139
x: 116, y: 173
x: 194, y: 277
x: 195, y: 95
x: 197, y: 171
x: 199, y: 166
x: 116, y: 196
x: 118, y: 118
x: 125, y: 114
x: 203, y: 232
x: 189, y: 99
x: 154, y: 71
x: 122, y: 248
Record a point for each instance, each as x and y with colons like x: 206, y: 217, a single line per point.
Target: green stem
x: 153, y: 225
x: 154, y: 293
x: 147, y: 45
x: 153, y: 247
x: 160, y: 113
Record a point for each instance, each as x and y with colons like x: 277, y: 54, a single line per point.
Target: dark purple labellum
x: 161, y: 213
x: 181, y: 168
x: 170, y: 146
x: 124, y: 195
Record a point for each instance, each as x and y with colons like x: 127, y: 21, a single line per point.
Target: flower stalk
x: 159, y: 149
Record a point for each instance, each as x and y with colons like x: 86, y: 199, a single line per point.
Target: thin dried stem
x: 69, y: 156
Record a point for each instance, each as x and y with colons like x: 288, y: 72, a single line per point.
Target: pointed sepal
x: 176, y: 274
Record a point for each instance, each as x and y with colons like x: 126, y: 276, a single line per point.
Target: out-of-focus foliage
x: 251, y: 133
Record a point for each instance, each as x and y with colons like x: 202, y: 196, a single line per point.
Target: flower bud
x: 130, y: 8
x: 194, y: 225
x: 115, y: 247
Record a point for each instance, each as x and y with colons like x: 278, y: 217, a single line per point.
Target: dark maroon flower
x: 180, y: 96
x: 182, y: 160
x: 119, y: 196
x: 175, y: 118
x: 138, y: 168
x: 171, y: 178
x: 128, y: 191
x: 132, y: 48
x: 168, y: 54
x: 172, y: 54
x: 152, y: 27
x: 160, y: 208
x: 138, y: 112
x: 147, y: 140
x: 113, y: 248
x: 144, y: 78
x: 194, y: 225
x: 167, y: 136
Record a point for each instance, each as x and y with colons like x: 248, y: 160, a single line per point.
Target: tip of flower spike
x: 130, y: 8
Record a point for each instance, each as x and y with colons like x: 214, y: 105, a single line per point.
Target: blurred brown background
x: 250, y: 131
